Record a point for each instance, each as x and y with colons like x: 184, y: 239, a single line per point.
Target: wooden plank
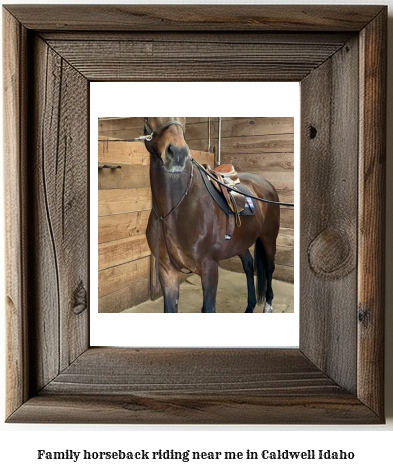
x: 371, y: 226
x: 122, y: 133
x: 328, y: 252
x: 47, y: 324
x: 280, y: 179
x: 116, y: 278
x: 121, y: 226
x: 202, y: 144
x: 287, y: 217
x: 286, y: 195
x: 260, y: 162
x: 192, y: 17
x: 248, y: 145
x: 62, y: 184
x: 321, y: 38
x: 284, y: 273
x: 285, y: 237
x: 16, y: 210
x: 258, y: 144
x: 242, y: 126
x: 203, y: 157
x: 130, y: 153
x: 121, y: 251
x: 285, y: 255
x: 193, y: 385
x: 120, y: 123
x: 125, y: 298
x: 115, y: 60
x: 126, y: 177
x: 118, y: 201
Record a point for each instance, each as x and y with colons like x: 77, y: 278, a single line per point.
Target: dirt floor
x: 231, y: 296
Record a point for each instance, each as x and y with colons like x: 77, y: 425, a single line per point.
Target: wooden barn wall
x: 124, y: 205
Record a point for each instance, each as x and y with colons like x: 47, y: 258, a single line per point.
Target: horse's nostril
x: 170, y: 151
x: 175, y: 157
x: 176, y: 153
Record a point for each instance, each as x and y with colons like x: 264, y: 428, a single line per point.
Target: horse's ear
x: 147, y: 129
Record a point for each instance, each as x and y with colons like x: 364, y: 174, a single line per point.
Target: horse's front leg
x: 169, y: 279
x: 209, y: 277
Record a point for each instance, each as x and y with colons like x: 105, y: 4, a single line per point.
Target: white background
x: 154, y: 330
x: 371, y: 444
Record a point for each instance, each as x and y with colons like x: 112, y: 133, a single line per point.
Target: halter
x: 151, y: 132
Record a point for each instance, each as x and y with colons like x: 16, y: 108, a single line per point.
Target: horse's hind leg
x: 270, y: 252
x: 209, y: 277
x: 248, y: 266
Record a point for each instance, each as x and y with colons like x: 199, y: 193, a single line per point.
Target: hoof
x: 268, y: 308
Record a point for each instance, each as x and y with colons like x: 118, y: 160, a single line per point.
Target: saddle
x: 227, y: 174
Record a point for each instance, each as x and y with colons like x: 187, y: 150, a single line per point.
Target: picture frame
x: 338, y: 54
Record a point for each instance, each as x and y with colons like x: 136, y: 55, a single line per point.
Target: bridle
x: 150, y: 132
x: 148, y: 138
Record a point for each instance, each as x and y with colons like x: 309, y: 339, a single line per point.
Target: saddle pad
x: 249, y: 210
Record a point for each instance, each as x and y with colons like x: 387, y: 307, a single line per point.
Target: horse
x: 187, y: 230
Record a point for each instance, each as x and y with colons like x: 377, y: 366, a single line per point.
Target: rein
x: 162, y: 219
x: 210, y: 176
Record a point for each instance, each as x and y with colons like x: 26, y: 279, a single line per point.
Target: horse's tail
x: 260, y: 266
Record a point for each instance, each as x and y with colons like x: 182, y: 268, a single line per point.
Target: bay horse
x: 187, y: 229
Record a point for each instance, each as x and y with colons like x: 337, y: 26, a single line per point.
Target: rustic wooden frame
x: 339, y: 56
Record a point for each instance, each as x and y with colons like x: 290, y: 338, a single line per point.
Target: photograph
x: 192, y: 210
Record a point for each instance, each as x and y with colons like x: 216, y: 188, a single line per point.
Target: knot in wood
x: 330, y: 254
x: 80, y: 299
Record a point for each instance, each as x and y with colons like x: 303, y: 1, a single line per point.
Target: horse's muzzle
x: 175, y: 158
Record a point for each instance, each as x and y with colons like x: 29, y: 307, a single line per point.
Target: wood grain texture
x: 126, y: 177
x: 15, y: 104
x: 185, y: 59
x: 371, y: 226
x: 118, y: 201
x: 127, y: 275
x: 348, y: 388
x: 121, y: 226
x: 113, y: 152
x: 193, y: 18
x: 122, y: 251
x: 328, y: 243
x: 175, y: 386
x: 60, y: 180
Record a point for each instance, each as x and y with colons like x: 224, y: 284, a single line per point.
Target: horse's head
x: 167, y: 141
